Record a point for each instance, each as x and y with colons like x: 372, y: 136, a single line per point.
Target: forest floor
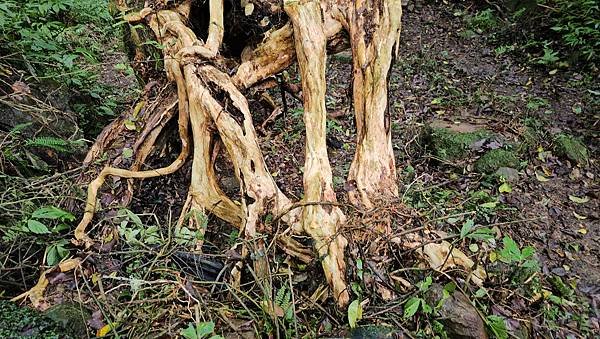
x: 495, y: 155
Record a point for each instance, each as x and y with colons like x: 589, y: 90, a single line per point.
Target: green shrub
x: 61, y: 44
x: 553, y: 32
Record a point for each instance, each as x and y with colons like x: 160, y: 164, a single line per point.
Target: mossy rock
x: 492, y: 160
x: 23, y: 322
x: 572, y: 148
x: 71, y: 316
x: 374, y: 331
x: 450, y: 145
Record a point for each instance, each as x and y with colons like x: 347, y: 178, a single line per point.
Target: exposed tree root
x: 319, y: 221
x: 211, y: 102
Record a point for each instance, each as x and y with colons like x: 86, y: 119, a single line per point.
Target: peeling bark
x: 374, y: 31
x: 211, y: 102
x: 320, y: 222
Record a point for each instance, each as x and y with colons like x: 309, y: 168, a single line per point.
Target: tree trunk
x: 321, y: 222
x: 374, y: 28
x: 211, y: 101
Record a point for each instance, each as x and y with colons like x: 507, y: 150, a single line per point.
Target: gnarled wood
x: 320, y: 222
x: 374, y: 28
x: 212, y: 103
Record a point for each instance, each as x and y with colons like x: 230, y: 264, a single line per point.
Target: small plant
x: 416, y: 303
x: 549, y: 58
x: 512, y: 254
x: 57, y: 144
x: 45, y: 221
x: 283, y: 304
x: 202, y: 330
x: 483, y: 21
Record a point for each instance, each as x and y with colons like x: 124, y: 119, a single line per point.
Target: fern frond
x: 57, y: 144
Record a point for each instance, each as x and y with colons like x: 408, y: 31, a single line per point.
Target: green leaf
x: 527, y: 252
x: 189, y: 332
x: 466, y: 228
x: 37, y: 227
x: 491, y: 204
x: 482, y: 234
x: 426, y: 308
x: 497, y: 325
x: 354, y: 313
x: 204, y: 329
x: 52, y: 212
x: 411, y: 307
x: 505, y: 188
x: 511, y: 251
x: 424, y: 285
x: 131, y: 216
x: 52, y: 256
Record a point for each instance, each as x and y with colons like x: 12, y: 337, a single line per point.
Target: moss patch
x: 23, y: 322
x: 71, y: 316
x: 450, y: 145
x: 496, y: 158
x: 572, y: 148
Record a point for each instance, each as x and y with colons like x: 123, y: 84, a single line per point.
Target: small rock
x: 572, y: 148
x: 459, y: 317
x: 492, y: 160
x: 375, y: 331
x: 510, y: 174
x: 71, y: 316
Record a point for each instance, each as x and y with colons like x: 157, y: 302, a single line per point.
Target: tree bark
x: 374, y: 28
x: 212, y: 103
x: 322, y: 223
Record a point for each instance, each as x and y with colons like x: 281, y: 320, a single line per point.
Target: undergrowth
x: 61, y: 45
x: 550, y: 33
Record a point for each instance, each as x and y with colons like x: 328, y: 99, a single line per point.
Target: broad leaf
x: 354, y: 313
x: 466, y: 228
x: 411, y: 307
x: 511, y: 251
x: 205, y: 329
x: 51, y: 212
x: 497, y: 325
x: 189, y: 332
x: 37, y: 227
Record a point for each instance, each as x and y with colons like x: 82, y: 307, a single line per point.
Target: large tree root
x: 211, y: 102
x: 320, y: 222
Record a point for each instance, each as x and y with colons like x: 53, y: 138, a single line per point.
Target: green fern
x: 57, y: 144
x: 283, y: 299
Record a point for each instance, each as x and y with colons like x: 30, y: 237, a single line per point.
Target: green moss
x: 374, y: 331
x: 496, y: 158
x: 23, y: 322
x: 572, y: 148
x: 71, y: 316
x: 450, y: 145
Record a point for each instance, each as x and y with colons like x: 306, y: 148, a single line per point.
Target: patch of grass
x: 496, y: 158
x: 572, y: 148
